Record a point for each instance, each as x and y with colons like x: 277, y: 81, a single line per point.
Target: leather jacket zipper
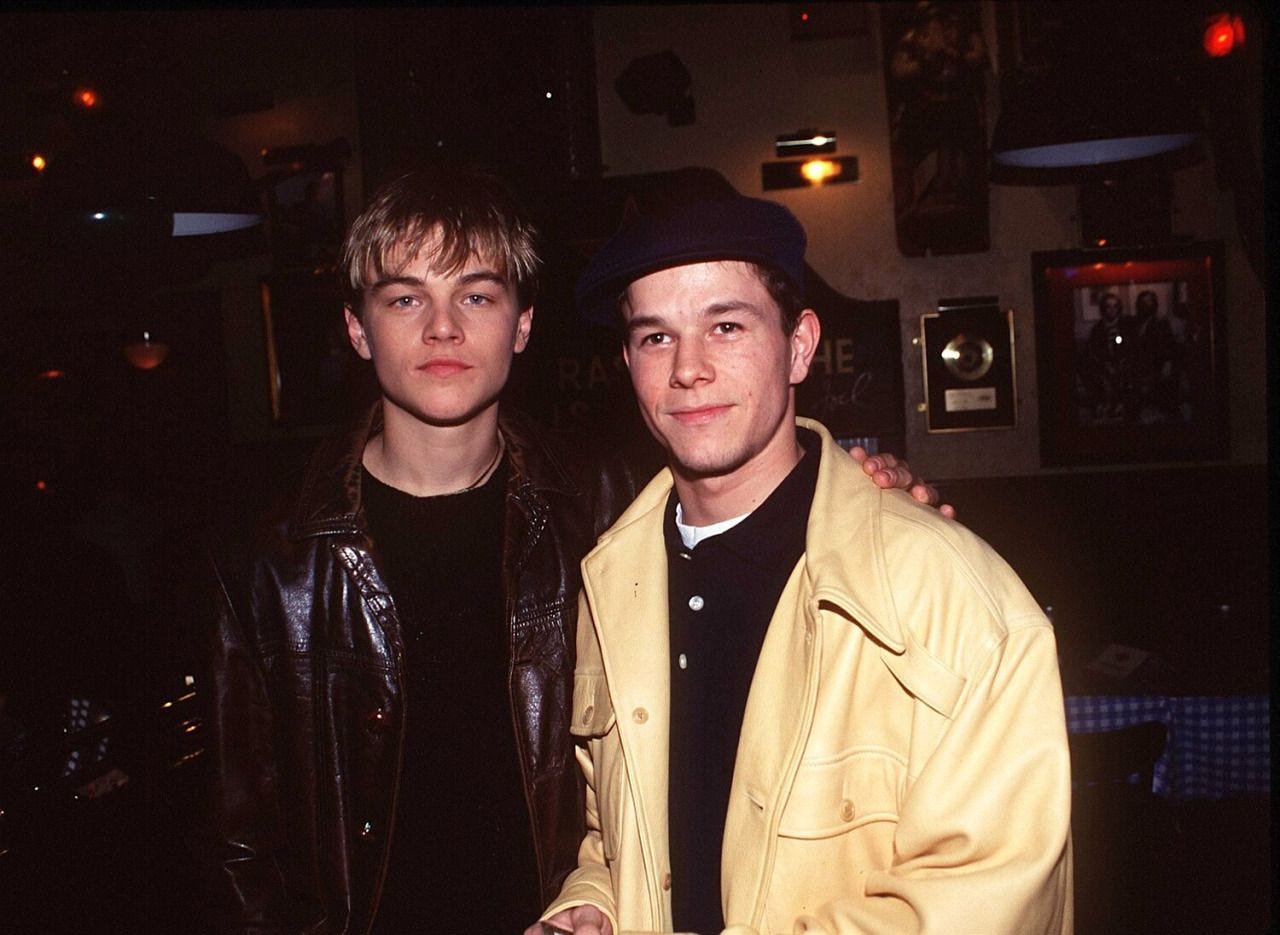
x: 395, y: 794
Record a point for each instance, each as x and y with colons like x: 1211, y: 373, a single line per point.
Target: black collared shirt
x: 721, y: 597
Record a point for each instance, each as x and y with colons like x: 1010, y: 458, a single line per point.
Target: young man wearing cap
x: 810, y: 705
x: 393, y: 661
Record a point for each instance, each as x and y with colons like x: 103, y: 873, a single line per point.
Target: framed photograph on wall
x: 1131, y: 353
x: 305, y: 216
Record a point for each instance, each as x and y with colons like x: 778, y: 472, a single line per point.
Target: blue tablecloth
x: 1217, y: 746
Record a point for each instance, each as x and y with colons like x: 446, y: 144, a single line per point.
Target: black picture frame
x: 1123, y: 380
x: 969, y: 367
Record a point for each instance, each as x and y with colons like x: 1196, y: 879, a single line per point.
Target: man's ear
x: 524, y: 324
x: 804, y: 344
x: 356, y: 335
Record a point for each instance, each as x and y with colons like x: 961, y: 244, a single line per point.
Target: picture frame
x: 314, y: 378
x: 1131, y: 354
x: 304, y: 213
x: 969, y: 366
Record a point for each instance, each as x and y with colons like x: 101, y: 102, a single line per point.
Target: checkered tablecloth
x: 1217, y: 745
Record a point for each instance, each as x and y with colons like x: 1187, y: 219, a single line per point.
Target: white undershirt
x: 692, y: 535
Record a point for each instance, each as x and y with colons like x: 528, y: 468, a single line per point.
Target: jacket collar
x: 844, y: 552
x: 329, y: 501
x: 844, y: 547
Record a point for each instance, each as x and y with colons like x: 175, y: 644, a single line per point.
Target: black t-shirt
x: 461, y: 847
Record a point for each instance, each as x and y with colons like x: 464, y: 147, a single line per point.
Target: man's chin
x: 703, y: 465
x: 448, y: 416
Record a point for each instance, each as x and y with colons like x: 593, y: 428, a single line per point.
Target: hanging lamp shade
x: 1063, y: 120
x: 1093, y: 88
x: 127, y: 195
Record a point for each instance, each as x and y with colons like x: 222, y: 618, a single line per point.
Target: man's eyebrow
x: 643, y: 321
x: 482, y: 275
x: 387, y: 282
x: 731, y: 305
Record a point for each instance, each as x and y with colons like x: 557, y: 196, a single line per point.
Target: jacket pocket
x: 592, y: 710
x: 612, y: 793
x: 594, y: 718
x: 837, y: 794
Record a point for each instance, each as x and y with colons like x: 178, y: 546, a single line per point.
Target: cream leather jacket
x: 902, y: 765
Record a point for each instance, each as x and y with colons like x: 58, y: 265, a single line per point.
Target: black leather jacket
x: 306, y: 701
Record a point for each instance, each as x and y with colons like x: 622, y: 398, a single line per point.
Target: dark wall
x: 1172, y: 561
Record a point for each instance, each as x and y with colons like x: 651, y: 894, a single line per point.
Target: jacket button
x: 846, y: 810
x: 640, y: 715
x: 586, y: 715
x: 666, y: 881
x: 377, y: 720
x: 366, y: 830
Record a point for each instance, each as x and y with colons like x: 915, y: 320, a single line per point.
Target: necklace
x: 488, y: 471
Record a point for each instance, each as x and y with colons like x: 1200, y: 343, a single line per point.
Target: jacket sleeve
x: 982, y: 843
x: 245, y: 817
x: 590, y: 883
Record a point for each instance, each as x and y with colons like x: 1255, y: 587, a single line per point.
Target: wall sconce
x: 144, y: 351
x: 805, y: 143
x: 819, y: 169
x: 808, y: 173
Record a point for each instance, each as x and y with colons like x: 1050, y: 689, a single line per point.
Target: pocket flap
x: 592, y: 710
x: 829, y: 798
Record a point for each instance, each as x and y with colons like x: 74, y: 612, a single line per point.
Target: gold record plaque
x: 968, y: 365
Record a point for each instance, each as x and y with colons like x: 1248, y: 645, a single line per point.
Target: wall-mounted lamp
x: 145, y: 351
x: 805, y: 143
x: 806, y: 173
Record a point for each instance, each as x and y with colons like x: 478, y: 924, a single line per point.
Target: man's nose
x: 441, y: 324
x: 691, y: 365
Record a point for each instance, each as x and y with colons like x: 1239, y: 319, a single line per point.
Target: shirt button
x: 640, y: 715
x: 366, y: 830
x: 696, y: 603
x: 666, y: 881
x: 846, y: 810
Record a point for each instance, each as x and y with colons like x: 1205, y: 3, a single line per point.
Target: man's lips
x: 698, y: 415
x: 444, y: 367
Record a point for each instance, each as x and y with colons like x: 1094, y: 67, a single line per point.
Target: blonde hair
x: 463, y: 212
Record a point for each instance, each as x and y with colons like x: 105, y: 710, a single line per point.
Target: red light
x: 41, y: 486
x: 804, y: 17
x: 1222, y: 34
x: 86, y: 97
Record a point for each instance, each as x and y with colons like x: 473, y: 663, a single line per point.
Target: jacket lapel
x: 625, y: 580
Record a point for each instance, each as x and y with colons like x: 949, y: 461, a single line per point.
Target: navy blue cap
x: 730, y: 227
